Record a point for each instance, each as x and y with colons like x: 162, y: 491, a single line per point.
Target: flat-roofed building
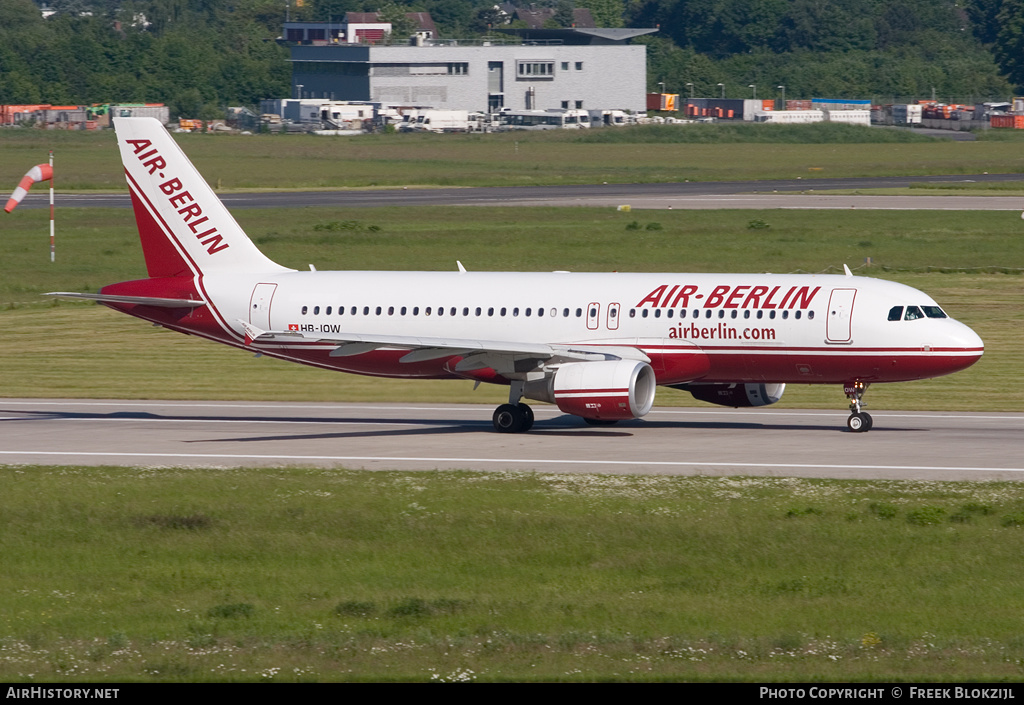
x: 538, y: 69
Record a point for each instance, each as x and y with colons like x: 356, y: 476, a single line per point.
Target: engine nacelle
x: 611, y: 390
x: 749, y: 394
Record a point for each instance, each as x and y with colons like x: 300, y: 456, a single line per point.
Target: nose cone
x: 961, y: 346
x: 965, y: 338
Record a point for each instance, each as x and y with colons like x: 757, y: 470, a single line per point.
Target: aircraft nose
x: 965, y: 337
x: 964, y: 344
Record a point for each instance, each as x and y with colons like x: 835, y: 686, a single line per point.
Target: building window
x: 579, y: 65
x: 535, y: 69
x: 565, y: 105
x: 458, y: 68
x: 565, y: 65
x: 579, y: 104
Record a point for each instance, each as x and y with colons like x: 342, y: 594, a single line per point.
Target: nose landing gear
x: 859, y: 421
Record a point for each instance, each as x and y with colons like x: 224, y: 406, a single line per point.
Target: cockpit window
x: 895, y: 313
x: 934, y: 312
x: 913, y: 313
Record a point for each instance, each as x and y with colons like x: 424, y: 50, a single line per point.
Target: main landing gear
x: 514, y: 417
x: 859, y: 421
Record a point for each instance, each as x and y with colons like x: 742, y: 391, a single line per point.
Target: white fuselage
x: 752, y: 327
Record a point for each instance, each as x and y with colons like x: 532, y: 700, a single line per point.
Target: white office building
x: 567, y: 68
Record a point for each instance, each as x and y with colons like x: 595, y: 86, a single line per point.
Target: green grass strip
x: 165, y: 574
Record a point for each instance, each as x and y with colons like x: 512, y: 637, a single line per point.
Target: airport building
x: 524, y: 69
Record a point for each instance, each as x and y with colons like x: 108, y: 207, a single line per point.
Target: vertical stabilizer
x: 183, y: 226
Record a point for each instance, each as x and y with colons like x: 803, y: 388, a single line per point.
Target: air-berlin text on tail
x: 745, y: 296
x: 180, y: 200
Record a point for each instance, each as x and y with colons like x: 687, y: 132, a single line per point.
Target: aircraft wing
x: 500, y: 355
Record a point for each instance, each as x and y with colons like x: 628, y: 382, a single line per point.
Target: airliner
x: 596, y: 345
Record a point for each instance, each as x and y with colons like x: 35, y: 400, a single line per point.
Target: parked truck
x: 343, y: 115
x: 906, y: 114
x: 610, y: 118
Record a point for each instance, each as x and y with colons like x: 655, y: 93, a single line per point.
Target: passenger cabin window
x: 896, y: 313
x: 913, y: 313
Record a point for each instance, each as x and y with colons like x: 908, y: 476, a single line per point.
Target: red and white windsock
x: 40, y: 172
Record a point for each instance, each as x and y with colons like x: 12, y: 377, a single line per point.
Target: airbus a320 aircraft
x: 595, y: 345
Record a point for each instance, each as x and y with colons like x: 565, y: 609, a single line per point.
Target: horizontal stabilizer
x: 139, y: 300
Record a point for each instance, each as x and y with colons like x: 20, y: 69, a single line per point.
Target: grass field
x: 121, y: 574
x: 91, y: 161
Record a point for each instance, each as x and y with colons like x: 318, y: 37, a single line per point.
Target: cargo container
x: 1015, y: 122
x: 15, y: 114
x: 663, y: 101
x: 719, y: 108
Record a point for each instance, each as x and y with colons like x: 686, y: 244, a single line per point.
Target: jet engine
x: 749, y: 394
x: 608, y: 390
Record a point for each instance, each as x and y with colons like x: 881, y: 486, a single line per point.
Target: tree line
x: 201, y: 55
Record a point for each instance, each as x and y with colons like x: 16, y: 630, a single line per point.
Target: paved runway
x: 780, y: 193
x: 713, y: 441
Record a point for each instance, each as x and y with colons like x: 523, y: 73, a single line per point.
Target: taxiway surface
x: 779, y: 193
x: 681, y: 441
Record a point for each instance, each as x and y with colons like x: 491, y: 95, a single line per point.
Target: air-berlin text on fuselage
x: 745, y: 296
x: 180, y: 200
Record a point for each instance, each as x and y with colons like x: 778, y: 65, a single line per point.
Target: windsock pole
x: 40, y: 172
x: 53, y: 250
